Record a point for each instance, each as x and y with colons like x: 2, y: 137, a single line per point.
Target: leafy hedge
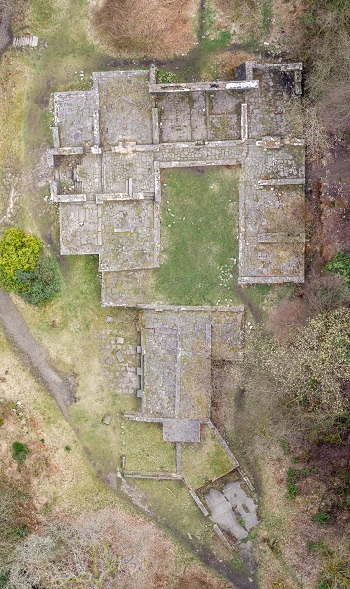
x: 26, y: 268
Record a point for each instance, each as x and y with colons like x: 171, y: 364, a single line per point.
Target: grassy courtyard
x: 199, y: 234
x: 209, y: 458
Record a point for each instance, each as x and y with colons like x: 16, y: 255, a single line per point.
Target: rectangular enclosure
x: 199, y: 235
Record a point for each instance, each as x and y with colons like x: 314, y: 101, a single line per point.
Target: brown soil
x: 330, y: 196
x: 195, y: 578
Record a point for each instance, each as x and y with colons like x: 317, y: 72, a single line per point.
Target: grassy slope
x: 27, y: 79
x: 71, y: 485
x: 176, y: 508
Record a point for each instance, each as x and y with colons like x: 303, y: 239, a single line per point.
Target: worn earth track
x: 6, y: 9
x: 255, y: 311
x: 177, y: 64
x: 60, y: 386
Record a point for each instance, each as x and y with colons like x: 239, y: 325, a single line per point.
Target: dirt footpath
x: 5, y: 20
x: 62, y: 387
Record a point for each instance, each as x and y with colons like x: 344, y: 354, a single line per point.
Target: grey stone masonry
x: 271, y: 203
x: 181, y: 430
x: 111, y: 142
x: 175, y: 354
x: 202, y: 87
x: 176, y: 351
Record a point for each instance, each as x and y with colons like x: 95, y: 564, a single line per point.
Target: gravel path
x: 60, y: 386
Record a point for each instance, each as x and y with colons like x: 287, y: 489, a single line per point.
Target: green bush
x: 321, y: 518
x: 19, y: 251
x: 26, y: 268
x: 340, y: 265
x: 20, y: 452
x: 42, y: 284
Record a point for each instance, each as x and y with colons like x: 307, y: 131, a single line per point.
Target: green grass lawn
x: 205, y: 461
x: 175, y: 506
x: 145, y: 450
x: 199, y: 234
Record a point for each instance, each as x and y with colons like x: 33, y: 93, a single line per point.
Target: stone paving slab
x: 242, y: 504
x: 75, y: 113
x: 181, y: 430
x: 177, y: 364
x: 269, y: 107
x: 271, y: 210
x: 79, y: 224
x: 127, y: 229
x: 224, y: 127
x: 128, y: 288
x: 210, y: 153
x: 89, y: 174
x: 119, y: 168
x: 200, y: 116
x: 222, y: 514
x: 177, y: 349
x: 160, y: 374
x: 118, y: 358
x: 195, y: 387
x: 263, y: 164
x: 125, y: 106
x: 227, y: 336
x: 175, y: 118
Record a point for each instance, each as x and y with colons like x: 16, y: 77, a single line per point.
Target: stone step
x: 25, y: 41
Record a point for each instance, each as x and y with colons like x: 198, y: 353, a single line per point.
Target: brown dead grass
x: 108, y: 548
x: 320, y: 293
x: 193, y: 577
x: 228, y: 61
x: 156, y: 28
x: 285, y: 30
x: 286, y: 525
